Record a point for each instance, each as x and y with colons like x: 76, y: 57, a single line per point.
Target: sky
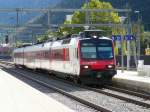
x: 26, y: 3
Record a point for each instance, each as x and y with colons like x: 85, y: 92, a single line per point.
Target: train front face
x: 97, y: 61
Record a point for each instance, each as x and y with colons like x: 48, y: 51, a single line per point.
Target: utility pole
x: 139, y: 39
x: 33, y: 39
x: 17, y: 25
x: 87, y: 13
x: 138, y: 35
x: 17, y: 17
x: 128, y: 42
x: 49, y: 19
x: 122, y: 19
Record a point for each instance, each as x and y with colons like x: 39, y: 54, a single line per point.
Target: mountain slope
x: 10, y: 18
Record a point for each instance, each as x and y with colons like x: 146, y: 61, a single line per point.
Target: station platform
x: 17, y: 96
x: 132, y: 80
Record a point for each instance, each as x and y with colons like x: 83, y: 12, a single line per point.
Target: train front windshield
x: 96, y: 49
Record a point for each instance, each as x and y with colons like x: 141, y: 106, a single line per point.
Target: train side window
x: 46, y: 54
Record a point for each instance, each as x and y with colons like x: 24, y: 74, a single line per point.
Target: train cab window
x: 105, y: 52
x: 96, y: 49
x: 88, y: 50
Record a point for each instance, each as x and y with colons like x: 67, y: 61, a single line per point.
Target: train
x: 86, y: 57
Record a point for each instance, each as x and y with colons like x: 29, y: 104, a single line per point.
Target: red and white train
x: 86, y: 58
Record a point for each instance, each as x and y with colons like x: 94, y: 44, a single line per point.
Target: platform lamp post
x: 122, y: 19
x: 138, y: 35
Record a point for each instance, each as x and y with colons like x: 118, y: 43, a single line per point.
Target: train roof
x: 19, y: 49
x: 63, y: 42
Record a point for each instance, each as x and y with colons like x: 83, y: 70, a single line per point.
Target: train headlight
x: 110, y: 66
x: 94, y: 36
x: 85, y: 66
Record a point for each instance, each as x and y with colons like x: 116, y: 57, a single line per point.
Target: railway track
x: 102, y: 91
x: 141, y: 96
x: 120, y: 90
x: 135, y: 93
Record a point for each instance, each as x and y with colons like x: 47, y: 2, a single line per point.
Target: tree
x: 42, y: 38
x: 135, y: 27
x: 95, y: 17
x: 47, y: 35
x: 138, y: 31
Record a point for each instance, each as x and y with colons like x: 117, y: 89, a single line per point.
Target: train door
x: 67, y: 60
x: 76, y: 66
